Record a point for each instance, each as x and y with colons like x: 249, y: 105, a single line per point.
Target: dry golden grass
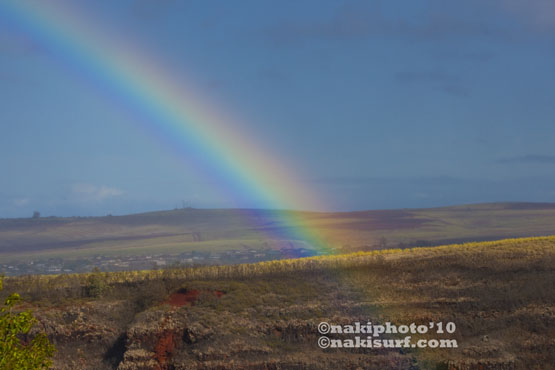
x: 500, y: 294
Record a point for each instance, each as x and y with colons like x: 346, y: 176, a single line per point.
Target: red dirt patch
x: 188, y: 297
x: 164, y: 348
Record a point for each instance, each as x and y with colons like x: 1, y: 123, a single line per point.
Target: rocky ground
x: 501, y: 299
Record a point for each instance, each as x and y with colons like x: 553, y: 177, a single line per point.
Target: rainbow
x: 172, y: 112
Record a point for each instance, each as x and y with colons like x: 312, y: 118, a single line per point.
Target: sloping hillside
x: 203, y: 236
x: 499, y: 295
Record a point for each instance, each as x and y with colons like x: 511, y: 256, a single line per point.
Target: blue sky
x: 382, y: 104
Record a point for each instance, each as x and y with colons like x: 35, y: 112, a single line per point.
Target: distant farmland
x: 235, y: 235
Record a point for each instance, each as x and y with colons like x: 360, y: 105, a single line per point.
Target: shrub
x: 15, y: 353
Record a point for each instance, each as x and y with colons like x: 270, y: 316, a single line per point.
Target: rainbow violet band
x: 172, y: 112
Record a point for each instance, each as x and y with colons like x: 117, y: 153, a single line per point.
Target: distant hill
x: 226, y: 233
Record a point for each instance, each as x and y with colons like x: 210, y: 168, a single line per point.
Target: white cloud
x: 21, y: 202
x: 94, y: 193
x: 538, y: 13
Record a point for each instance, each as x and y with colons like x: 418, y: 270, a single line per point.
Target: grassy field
x: 178, y: 231
x: 499, y: 294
